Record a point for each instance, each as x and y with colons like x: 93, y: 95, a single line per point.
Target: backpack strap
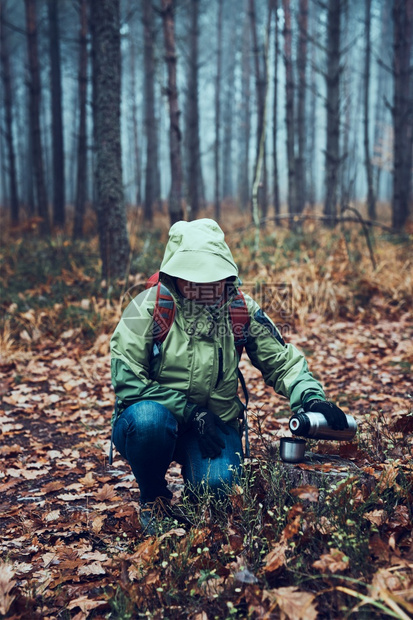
x: 240, y: 320
x: 163, y: 313
x: 153, y: 280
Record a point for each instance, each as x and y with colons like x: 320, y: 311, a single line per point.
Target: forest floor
x: 72, y: 546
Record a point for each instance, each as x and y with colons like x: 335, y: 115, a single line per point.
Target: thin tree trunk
x: 57, y: 124
x: 275, y: 112
x: 261, y: 80
x: 301, y: 104
x: 289, y: 109
x: 175, y: 196
x: 311, y: 143
x: 402, y: 111
x: 8, y: 118
x: 371, y: 201
x: 333, y: 107
x: 113, y: 236
x: 228, y: 108
x: 150, y: 119
x: 136, y: 146
x: 81, y: 176
x: 194, y: 155
x: 34, y: 98
x: 217, y: 144
x: 245, y: 128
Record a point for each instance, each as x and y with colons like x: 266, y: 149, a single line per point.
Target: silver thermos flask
x: 313, y: 424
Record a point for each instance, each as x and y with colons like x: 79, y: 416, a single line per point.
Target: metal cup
x: 292, y: 450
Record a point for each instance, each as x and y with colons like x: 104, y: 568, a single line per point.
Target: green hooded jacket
x: 197, y: 363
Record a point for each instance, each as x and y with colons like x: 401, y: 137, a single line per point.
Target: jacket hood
x: 197, y: 251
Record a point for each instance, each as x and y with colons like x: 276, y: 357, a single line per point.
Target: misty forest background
x: 272, y: 108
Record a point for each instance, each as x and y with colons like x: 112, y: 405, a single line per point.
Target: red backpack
x: 164, y: 314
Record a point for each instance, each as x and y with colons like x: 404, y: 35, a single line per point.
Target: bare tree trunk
x: 113, y: 236
x: 245, y: 128
x: 371, y: 200
x: 301, y: 104
x: 275, y: 112
x: 81, y: 176
x: 289, y: 109
x: 311, y: 142
x: 402, y: 111
x: 261, y: 79
x: 217, y: 144
x: 136, y: 147
x: 8, y: 118
x: 57, y: 124
x: 194, y: 155
x: 228, y: 107
x: 382, y: 84
x: 34, y: 97
x: 151, y: 171
x: 333, y: 107
x: 175, y: 137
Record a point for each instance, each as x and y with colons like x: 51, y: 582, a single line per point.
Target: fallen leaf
x: 106, y: 493
x: 307, y: 492
x: 295, y: 604
x: 95, y: 568
x: 275, y: 558
x: 49, y: 558
x: 85, y: 604
x: 94, y: 555
x: 333, y: 562
x: 6, y: 585
x: 88, y: 480
x: 378, y: 517
x: 71, y: 497
x: 55, y: 485
x: 97, y: 523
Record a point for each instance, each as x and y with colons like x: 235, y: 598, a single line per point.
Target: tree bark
x: 275, y: 112
x: 402, y: 111
x: 371, y: 201
x: 217, y: 144
x: 136, y: 147
x: 175, y: 196
x: 57, y: 124
x: 194, y: 155
x: 151, y: 172
x: 245, y: 126
x: 34, y: 100
x: 289, y: 109
x: 113, y: 237
x: 311, y: 142
x: 301, y: 104
x: 332, y: 154
x: 81, y: 175
x: 8, y: 118
x: 229, y: 65
x: 261, y: 81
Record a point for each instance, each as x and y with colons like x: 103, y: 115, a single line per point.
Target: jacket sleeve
x: 282, y: 365
x: 132, y: 365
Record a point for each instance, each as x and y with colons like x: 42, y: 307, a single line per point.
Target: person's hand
x: 335, y: 417
x: 205, y: 423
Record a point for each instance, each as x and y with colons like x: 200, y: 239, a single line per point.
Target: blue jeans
x: 148, y: 436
